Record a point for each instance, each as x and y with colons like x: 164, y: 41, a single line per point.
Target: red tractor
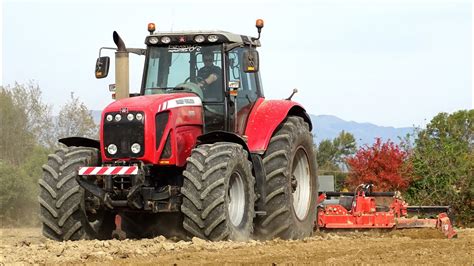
x: 199, y: 152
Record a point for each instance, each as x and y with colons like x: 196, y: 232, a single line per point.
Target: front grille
x: 124, y: 134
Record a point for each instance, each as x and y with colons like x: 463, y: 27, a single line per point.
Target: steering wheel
x: 198, y: 79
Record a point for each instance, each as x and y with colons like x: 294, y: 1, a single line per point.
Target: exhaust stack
x: 122, y: 89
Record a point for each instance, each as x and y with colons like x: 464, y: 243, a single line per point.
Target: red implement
x: 360, y: 212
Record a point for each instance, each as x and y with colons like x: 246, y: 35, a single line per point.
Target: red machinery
x: 358, y: 210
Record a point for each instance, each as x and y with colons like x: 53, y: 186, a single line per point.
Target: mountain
x: 329, y: 126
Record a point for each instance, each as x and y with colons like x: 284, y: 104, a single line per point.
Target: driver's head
x: 208, y: 58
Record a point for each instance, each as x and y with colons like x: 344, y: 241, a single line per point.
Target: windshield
x: 188, y: 67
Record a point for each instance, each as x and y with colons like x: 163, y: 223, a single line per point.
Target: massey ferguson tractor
x: 198, y: 152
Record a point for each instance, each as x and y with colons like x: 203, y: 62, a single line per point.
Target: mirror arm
x: 137, y: 51
x: 106, y: 48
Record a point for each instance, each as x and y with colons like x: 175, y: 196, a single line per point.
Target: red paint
x: 265, y: 117
x: 188, y: 117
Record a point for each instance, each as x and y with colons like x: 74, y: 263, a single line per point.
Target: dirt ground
x: 413, y: 246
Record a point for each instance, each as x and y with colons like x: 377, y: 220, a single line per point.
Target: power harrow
x: 358, y: 210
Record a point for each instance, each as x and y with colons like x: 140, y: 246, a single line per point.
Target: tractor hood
x: 148, y: 122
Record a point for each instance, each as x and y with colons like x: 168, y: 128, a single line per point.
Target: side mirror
x: 102, y: 67
x: 250, y: 61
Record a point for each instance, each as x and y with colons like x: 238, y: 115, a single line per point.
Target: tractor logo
x: 124, y: 110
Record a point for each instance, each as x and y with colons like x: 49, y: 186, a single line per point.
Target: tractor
x: 190, y: 155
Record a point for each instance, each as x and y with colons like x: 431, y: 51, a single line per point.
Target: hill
x: 329, y: 126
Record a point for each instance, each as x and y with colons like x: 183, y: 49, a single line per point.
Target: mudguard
x: 80, y: 141
x: 265, y: 118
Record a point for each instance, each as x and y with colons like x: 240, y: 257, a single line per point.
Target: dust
x: 409, y: 246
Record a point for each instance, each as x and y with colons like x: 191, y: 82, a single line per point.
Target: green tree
x: 443, y: 159
x: 331, y: 156
x: 16, y: 140
x: 75, y: 120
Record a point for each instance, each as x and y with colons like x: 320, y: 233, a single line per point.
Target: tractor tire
x: 218, y: 193
x: 291, y: 183
x: 62, y: 201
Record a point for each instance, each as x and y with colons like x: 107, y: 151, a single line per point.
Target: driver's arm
x: 209, y: 80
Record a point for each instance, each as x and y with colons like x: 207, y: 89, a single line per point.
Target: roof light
x: 151, y: 28
x: 199, y: 38
x: 153, y: 40
x: 259, y: 25
x: 212, y: 38
x: 165, y: 39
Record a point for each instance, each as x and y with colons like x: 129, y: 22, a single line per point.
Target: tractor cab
x: 220, y: 67
x: 209, y: 64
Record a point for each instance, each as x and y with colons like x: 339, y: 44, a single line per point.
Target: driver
x: 210, y: 76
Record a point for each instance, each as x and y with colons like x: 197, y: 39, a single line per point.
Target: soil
x: 409, y: 246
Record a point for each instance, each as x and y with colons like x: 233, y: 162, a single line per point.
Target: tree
x: 39, y: 120
x: 383, y: 164
x: 26, y: 138
x: 75, y: 120
x: 16, y: 140
x: 331, y: 154
x: 443, y: 157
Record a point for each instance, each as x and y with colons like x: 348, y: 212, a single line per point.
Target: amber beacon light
x: 151, y: 28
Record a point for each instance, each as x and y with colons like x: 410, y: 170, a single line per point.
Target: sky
x: 388, y: 62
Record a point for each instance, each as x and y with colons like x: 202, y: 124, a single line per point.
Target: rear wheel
x: 67, y: 212
x: 218, y: 190
x: 290, y: 166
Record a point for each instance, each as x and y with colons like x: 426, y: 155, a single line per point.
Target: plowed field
x: 404, y: 246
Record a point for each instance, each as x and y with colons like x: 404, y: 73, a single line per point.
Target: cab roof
x: 189, y: 37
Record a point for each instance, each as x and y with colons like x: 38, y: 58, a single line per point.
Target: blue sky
x: 392, y: 63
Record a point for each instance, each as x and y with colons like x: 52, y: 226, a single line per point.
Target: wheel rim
x: 301, y: 184
x: 236, y: 199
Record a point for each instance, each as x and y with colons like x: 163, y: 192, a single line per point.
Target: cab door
x: 248, y: 90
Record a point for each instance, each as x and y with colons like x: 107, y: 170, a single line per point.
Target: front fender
x: 80, y: 142
x: 265, y: 118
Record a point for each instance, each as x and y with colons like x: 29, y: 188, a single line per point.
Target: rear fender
x: 264, y: 119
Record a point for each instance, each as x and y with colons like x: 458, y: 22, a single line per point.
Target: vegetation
x: 331, y: 155
x: 385, y: 165
x: 29, y: 133
x: 443, y: 158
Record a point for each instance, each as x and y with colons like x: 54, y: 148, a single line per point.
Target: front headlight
x: 139, y: 116
x: 136, y: 148
x: 130, y: 117
x: 112, y: 149
x: 118, y: 117
x: 109, y: 118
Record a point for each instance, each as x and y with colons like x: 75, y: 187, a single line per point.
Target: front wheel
x: 290, y: 166
x: 66, y: 211
x: 218, y: 190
